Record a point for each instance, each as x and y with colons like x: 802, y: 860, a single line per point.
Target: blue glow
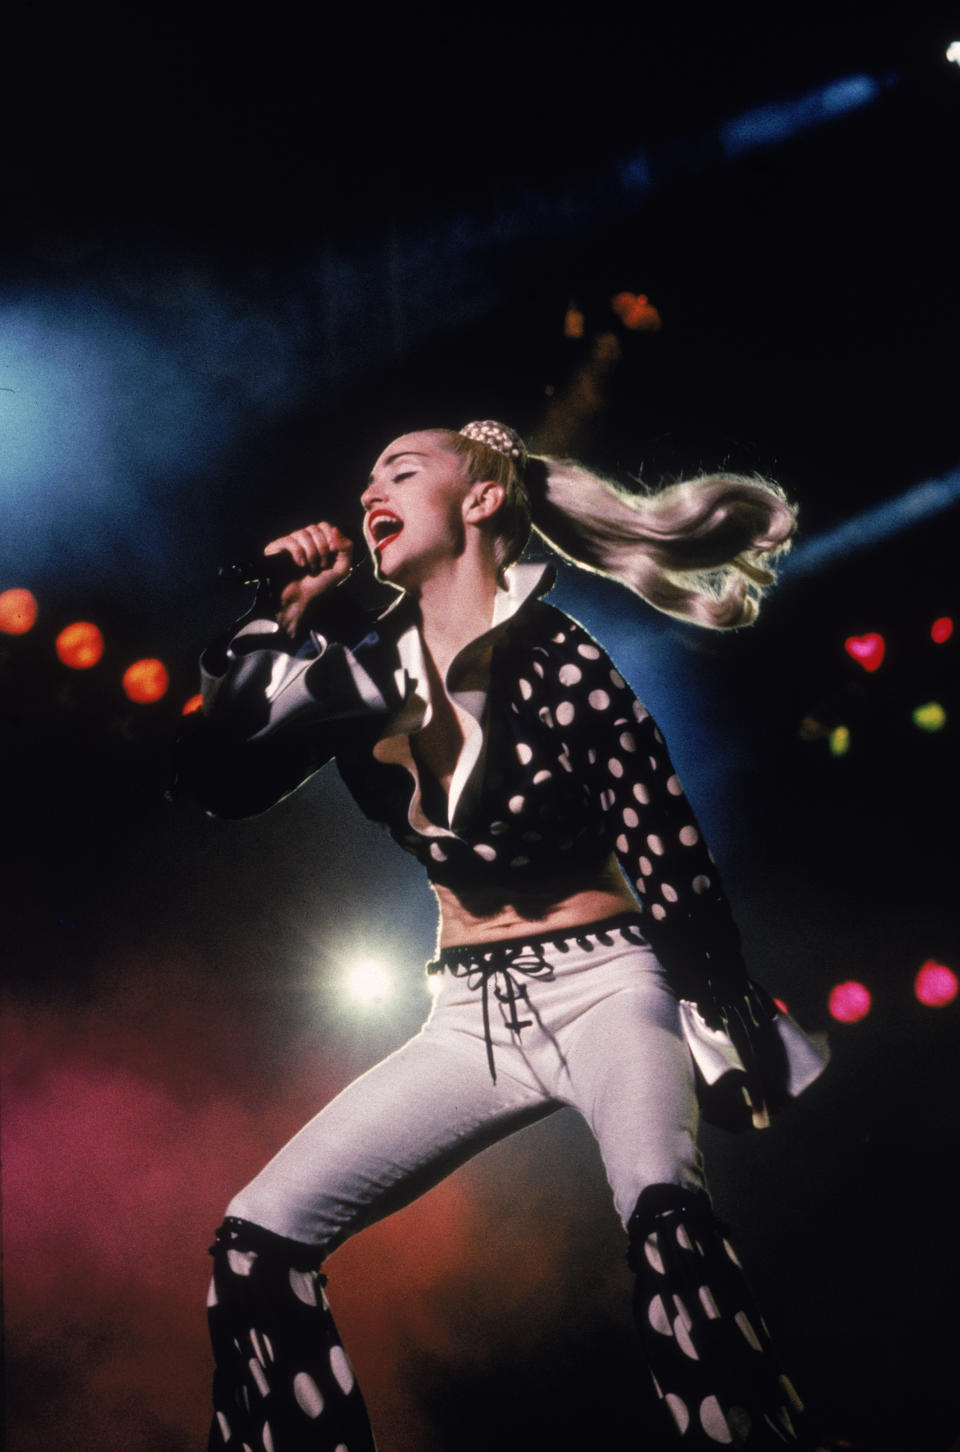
x: 636, y: 173
x: 109, y: 417
x: 871, y: 526
x: 779, y: 120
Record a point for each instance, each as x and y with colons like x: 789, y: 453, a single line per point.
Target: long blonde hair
x: 701, y: 549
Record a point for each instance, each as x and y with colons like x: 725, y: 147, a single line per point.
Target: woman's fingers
x: 315, y: 548
x: 324, y: 554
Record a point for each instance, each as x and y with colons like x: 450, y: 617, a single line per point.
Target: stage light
x: 867, y: 650
x: 935, y: 984
x: 777, y: 121
x: 367, y: 980
x: 636, y: 312
x: 80, y: 645
x: 18, y: 612
x: 194, y: 704
x: 865, y: 530
x: 146, y: 681
x: 941, y: 630
x: 849, y: 1002
x: 953, y: 52
x: 840, y: 740
x: 930, y: 717
x: 573, y: 322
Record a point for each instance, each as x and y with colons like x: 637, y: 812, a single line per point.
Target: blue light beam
x: 870, y: 526
x: 776, y: 122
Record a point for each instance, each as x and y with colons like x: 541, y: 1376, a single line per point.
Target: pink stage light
x: 868, y: 650
x: 849, y: 1002
x: 935, y: 984
x: 941, y: 630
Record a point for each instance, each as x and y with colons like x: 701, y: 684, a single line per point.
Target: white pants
x: 595, y: 1027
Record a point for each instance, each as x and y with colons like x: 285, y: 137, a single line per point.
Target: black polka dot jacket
x: 561, y: 767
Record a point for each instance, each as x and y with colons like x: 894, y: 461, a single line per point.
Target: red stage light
x: 867, y: 649
x: 194, y: 704
x: 636, y: 312
x: 146, y: 680
x: 18, y: 612
x: 935, y: 984
x: 941, y: 629
x: 781, y: 1005
x: 849, y: 1002
x: 80, y: 645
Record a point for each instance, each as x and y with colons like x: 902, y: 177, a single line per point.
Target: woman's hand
x: 326, y: 557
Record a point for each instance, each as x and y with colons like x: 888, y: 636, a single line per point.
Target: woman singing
x: 587, y: 956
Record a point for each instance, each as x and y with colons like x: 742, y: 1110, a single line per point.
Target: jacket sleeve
x: 273, y: 713
x: 653, y: 830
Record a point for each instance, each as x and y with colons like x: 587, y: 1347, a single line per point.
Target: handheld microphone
x: 272, y: 572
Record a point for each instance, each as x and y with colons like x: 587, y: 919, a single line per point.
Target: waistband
x: 585, y: 936
x: 500, y: 960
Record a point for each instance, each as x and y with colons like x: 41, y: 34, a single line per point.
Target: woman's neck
x: 456, y: 605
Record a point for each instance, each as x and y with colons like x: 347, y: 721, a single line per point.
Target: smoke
x: 112, y: 416
x: 128, y: 1118
x: 133, y: 1113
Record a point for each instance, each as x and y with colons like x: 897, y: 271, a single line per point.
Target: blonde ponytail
x: 701, y: 549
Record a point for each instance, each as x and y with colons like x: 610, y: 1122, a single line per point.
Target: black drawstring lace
x: 497, y: 963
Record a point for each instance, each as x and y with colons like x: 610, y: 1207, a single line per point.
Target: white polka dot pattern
x: 304, y: 1287
x: 308, y: 1395
x: 678, y: 1411
x: 570, y: 753
x: 710, y: 1356
x: 341, y: 1369
x: 604, y: 740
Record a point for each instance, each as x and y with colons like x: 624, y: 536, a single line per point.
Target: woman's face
x: 413, y: 509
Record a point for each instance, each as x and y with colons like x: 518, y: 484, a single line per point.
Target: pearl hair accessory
x: 499, y: 437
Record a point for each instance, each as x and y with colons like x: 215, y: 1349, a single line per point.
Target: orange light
x: 636, y: 312
x: 146, y: 680
x: 18, y: 612
x: 80, y: 645
x: 573, y: 322
x: 868, y: 650
x: 194, y: 704
x: 940, y: 630
x: 935, y: 984
x: 849, y: 1002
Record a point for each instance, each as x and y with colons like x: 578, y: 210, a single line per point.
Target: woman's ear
x: 482, y: 501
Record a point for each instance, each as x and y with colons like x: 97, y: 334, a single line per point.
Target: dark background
x: 238, y: 256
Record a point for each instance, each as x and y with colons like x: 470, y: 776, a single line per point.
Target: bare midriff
x: 489, y: 915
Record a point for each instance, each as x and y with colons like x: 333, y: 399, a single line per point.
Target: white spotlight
x: 367, y: 980
x: 953, y: 52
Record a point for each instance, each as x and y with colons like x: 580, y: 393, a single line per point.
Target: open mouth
x: 383, y: 526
